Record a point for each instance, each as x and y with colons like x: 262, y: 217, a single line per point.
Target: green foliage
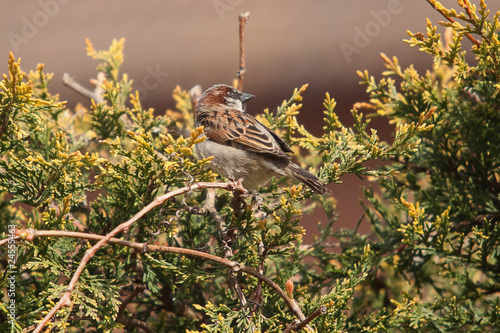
x: 431, y: 263
x: 438, y: 217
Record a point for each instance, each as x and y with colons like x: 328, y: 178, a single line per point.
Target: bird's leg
x: 238, y: 203
x: 235, y: 182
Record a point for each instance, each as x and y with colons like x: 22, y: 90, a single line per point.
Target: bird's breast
x: 236, y: 163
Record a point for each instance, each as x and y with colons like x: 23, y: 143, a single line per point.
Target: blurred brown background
x: 169, y: 43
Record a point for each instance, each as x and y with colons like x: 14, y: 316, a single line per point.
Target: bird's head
x: 226, y: 96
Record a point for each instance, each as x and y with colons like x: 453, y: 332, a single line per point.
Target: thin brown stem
x: 467, y: 9
x: 297, y: 326
x: 226, y: 239
x: 122, y: 318
x: 139, y: 289
x: 128, y: 322
x: 242, y: 71
x: 96, y: 94
x: 195, y: 95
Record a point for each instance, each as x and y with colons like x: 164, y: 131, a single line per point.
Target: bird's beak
x: 246, y: 97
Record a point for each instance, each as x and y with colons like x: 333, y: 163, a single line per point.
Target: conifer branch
x: 440, y: 11
x: 96, y: 94
x: 65, y: 299
x: 31, y: 234
x: 234, y: 266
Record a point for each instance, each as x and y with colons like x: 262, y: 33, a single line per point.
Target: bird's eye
x: 233, y: 94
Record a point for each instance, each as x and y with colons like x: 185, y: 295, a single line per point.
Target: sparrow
x: 242, y: 147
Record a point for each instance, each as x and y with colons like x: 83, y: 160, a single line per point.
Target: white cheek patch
x: 234, y: 103
x: 239, y: 105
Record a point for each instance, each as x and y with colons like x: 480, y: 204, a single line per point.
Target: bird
x: 242, y: 147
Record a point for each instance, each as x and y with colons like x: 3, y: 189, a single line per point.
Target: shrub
x: 194, y: 261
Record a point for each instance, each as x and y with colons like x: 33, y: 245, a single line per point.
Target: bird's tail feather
x: 309, y: 179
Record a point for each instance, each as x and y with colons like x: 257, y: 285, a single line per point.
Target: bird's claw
x: 237, y: 186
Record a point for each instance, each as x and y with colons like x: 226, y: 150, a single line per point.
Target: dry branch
x: 242, y: 70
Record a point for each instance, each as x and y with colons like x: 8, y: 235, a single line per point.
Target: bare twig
x: 194, y: 96
x: 65, y: 299
x: 225, y: 238
x: 238, y: 203
x: 96, y: 94
x: 122, y: 317
x: 210, y: 208
x: 233, y: 282
x: 297, y: 326
x: 221, y: 224
x: 139, y: 289
x: 242, y: 71
x: 128, y: 322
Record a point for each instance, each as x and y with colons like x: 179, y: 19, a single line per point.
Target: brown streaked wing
x: 284, y: 146
x: 243, y: 129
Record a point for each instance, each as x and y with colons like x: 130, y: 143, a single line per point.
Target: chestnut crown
x: 225, y: 95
